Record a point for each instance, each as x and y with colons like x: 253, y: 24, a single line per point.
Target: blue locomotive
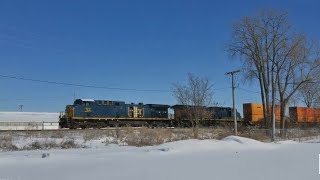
x: 100, y: 113
x: 210, y: 116
x: 223, y: 113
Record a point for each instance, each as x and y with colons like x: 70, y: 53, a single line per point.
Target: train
x: 89, y: 113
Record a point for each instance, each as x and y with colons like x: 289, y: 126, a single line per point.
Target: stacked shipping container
x: 304, y: 114
x: 253, y: 112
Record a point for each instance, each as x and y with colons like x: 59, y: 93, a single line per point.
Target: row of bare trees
x: 283, y: 61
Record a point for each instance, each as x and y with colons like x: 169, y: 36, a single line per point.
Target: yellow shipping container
x: 253, y: 112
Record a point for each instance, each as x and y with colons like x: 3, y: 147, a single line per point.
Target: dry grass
x: 6, y: 143
x: 123, y: 136
x: 135, y: 136
x: 149, y: 137
x: 52, y: 144
x: 40, y: 145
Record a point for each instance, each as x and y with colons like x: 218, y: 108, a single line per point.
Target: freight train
x: 88, y: 113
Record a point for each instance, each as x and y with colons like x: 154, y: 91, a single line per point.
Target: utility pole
x: 232, y: 73
x: 20, y: 107
x: 273, y: 124
x: 273, y: 131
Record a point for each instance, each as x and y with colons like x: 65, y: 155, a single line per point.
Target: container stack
x: 304, y: 114
x: 253, y: 112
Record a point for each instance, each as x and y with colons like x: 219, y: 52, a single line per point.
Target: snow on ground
x: 231, y: 158
x: 29, y: 117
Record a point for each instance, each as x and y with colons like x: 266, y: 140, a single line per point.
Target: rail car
x: 88, y: 113
x: 298, y: 116
x: 253, y: 113
x: 212, y: 115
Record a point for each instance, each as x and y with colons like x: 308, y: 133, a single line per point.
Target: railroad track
x: 87, y: 129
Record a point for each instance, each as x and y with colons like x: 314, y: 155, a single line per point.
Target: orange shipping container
x: 304, y: 114
x: 253, y: 112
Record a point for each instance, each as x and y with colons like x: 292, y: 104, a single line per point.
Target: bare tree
x: 195, y: 96
x: 255, y: 40
x: 297, y: 67
x: 273, y: 53
x: 309, y: 94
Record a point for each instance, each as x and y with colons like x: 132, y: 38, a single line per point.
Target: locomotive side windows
x: 78, y: 102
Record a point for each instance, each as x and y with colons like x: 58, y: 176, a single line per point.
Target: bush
x: 68, y: 144
x: 41, y: 145
x: 149, y: 137
x: 45, y: 145
x: 6, y: 144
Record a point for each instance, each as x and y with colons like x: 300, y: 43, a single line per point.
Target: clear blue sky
x: 126, y: 44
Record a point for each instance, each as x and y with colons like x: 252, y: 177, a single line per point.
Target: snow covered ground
x: 229, y: 159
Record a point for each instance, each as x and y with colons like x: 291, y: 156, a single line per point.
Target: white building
x: 28, y: 120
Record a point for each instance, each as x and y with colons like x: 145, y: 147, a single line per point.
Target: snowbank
x: 231, y: 158
x: 242, y: 140
x: 229, y: 143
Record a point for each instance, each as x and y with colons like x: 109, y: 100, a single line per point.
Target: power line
x: 32, y: 98
x: 90, y: 86
x: 80, y: 85
x: 218, y: 89
x: 247, y: 90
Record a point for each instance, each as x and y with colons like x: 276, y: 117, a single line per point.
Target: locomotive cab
x: 85, y: 102
x: 66, y: 116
